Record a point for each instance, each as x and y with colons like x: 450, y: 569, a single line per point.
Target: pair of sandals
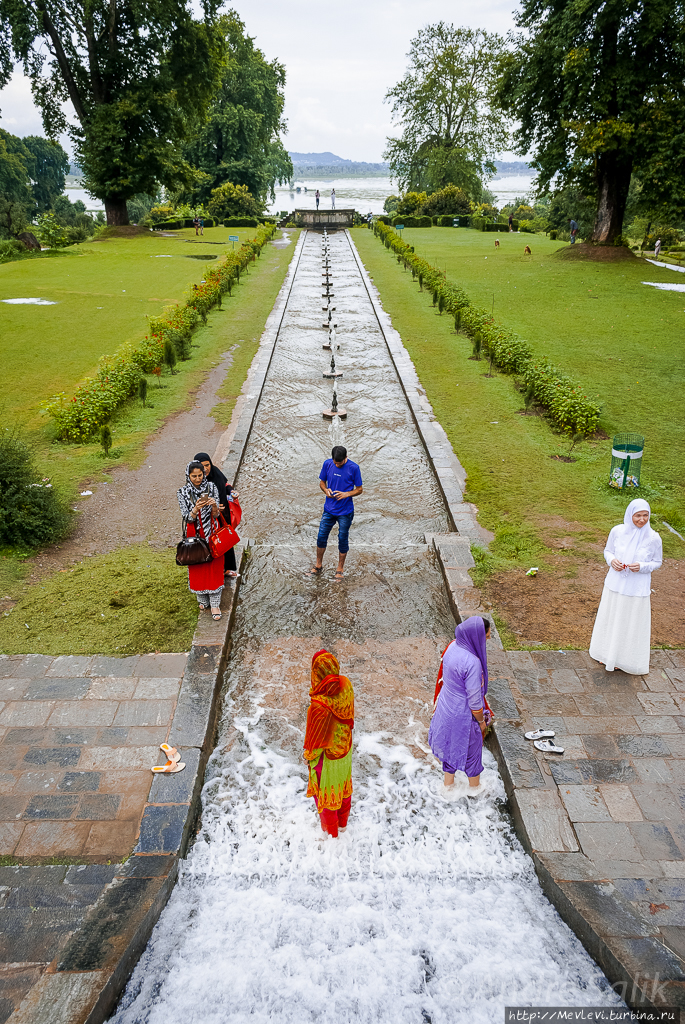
x: 317, y: 570
x: 216, y: 612
x: 542, y: 740
x: 173, y: 765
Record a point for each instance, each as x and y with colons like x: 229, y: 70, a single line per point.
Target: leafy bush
x: 168, y: 225
x: 391, y: 203
x: 411, y: 203
x: 231, y: 200
x: 32, y: 512
x: 160, y: 213
x: 11, y: 250
x: 51, y: 233
x: 117, y: 377
x: 563, y: 399
x: 450, y: 199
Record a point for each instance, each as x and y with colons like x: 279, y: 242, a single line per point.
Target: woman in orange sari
x: 328, y: 742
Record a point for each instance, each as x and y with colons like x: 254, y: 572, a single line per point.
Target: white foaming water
x: 422, y: 911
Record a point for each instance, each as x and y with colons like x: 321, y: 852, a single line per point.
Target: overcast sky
x: 340, y: 59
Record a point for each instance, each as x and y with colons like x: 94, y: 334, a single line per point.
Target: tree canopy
x: 598, y: 90
x: 16, y: 198
x: 240, y: 141
x: 32, y: 178
x: 139, y: 77
x: 49, y: 170
x: 451, y: 129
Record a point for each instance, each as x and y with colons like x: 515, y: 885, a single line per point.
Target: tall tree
x: 598, y: 89
x: 16, y: 198
x: 50, y: 168
x: 240, y: 141
x: 138, y: 73
x: 444, y: 104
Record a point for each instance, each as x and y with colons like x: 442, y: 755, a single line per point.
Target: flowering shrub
x: 117, y: 377
x: 567, y: 406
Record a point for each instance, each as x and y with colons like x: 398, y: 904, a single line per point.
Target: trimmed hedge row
x: 176, y: 225
x: 96, y: 399
x: 241, y: 222
x: 567, y: 406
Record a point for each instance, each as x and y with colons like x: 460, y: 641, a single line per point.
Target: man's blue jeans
x: 327, y: 523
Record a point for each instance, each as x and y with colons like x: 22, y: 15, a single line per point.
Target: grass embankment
x: 131, y: 601
x: 104, y: 291
x: 57, y: 609
x: 597, y: 322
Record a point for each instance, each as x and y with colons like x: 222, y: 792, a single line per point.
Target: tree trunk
x: 115, y: 208
x: 613, y: 180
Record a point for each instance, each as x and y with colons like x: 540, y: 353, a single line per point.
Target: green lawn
x: 108, y: 596
x: 103, y: 291
x: 596, y: 321
x: 48, y: 349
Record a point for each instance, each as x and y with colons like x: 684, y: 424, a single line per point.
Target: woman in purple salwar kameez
x: 461, y: 714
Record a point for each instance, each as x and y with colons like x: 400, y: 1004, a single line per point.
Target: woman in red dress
x: 199, y: 504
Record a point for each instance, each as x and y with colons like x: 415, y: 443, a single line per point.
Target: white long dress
x: 622, y: 632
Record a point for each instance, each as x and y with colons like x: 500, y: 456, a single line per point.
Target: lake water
x: 367, y: 195
x: 363, y: 194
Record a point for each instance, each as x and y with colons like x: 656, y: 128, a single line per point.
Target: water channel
x: 422, y: 910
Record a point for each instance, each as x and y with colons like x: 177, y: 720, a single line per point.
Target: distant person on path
x: 461, y: 714
x: 657, y: 248
x: 199, y: 504
x: 202, y: 225
x: 228, y: 505
x: 574, y: 231
x: 196, y: 224
x: 332, y: 199
x: 328, y: 742
x: 621, y: 635
x: 340, y: 480
x: 511, y: 221
x: 317, y: 196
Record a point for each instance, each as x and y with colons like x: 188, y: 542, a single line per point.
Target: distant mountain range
x: 329, y: 163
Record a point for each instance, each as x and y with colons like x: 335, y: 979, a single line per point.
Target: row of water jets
x: 333, y: 343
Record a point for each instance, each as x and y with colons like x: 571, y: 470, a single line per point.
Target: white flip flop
x: 547, y: 747
x: 540, y: 734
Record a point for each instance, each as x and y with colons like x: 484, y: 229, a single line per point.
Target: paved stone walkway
x: 605, y: 822
x: 78, y: 736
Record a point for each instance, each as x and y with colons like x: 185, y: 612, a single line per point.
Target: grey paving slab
x: 607, y: 841
x: 655, y: 841
x: 584, y: 803
x: 58, y: 688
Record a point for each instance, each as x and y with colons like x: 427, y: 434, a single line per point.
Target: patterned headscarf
x: 188, y: 496
x: 332, y: 703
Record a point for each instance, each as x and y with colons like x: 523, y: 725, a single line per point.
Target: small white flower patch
x: 29, y: 302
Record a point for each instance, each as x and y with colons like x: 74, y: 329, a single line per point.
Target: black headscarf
x: 216, y: 477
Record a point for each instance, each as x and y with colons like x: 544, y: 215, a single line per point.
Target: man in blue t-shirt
x: 340, y: 480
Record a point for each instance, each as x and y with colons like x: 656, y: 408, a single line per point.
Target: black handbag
x: 192, y: 550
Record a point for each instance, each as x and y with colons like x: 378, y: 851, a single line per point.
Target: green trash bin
x: 626, y: 461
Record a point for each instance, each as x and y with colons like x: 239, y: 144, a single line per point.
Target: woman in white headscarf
x: 622, y: 631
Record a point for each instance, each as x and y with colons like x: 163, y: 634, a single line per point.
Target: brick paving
x: 78, y: 736
x: 605, y: 822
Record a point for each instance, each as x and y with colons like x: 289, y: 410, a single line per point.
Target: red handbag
x: 235, y: 512
x: 222, y: 538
